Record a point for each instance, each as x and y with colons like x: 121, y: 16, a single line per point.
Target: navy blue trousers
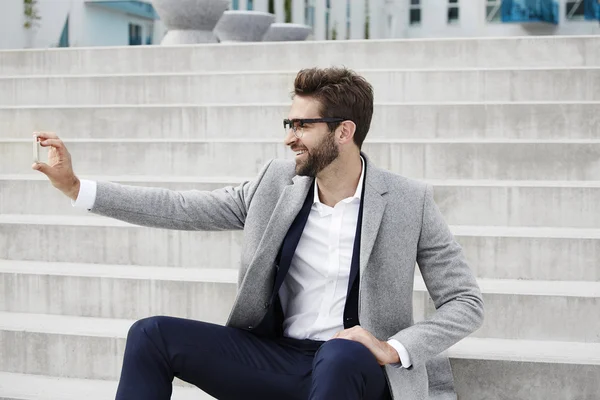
x: 235, y: 364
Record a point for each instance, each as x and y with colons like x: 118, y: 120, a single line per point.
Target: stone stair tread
x: 15, y: 386
x: 277, y: 140
x: 235, y: 180
x: 214, y: 275
x: 532, y: 287
x: 229, y: 275
x: 295, y: 71
x: 527, y: 351
x: 468, y: 348
x: 427, y: 53
x: 157, y: 178
x: 65, y: 324
x: 286, y: 104
x: 459, y: 230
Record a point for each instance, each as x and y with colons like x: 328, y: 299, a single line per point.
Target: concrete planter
x: 282, y: 32
x: 243, y: 26
x: 190, y: 21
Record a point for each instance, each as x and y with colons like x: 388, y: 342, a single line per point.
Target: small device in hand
x: 36, y: 148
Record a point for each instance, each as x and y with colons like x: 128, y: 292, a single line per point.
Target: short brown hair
x: 342, y: 94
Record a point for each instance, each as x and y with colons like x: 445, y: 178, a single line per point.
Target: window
x: 135, y: 35
x: 309, y: 13
x: 493, y: 11
x: 415, y: 12
x: 453, y: 11
x: 575, y: 9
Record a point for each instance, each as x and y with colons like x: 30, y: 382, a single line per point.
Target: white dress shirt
x: 313, y: 294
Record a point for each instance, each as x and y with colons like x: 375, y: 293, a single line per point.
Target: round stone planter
x: 190, y: 21
x: 283, y: 32
x: 243, y: 26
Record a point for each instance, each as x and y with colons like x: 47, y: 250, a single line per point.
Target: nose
x: 290, y: 138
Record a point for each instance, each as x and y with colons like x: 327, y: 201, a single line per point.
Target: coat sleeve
x: 221, y: 209
x: 451, y: 285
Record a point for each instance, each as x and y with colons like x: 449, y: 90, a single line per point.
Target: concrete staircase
x: 507, y: 130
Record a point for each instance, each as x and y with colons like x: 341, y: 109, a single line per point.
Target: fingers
x: 57, y: 144
x: 46, y: 135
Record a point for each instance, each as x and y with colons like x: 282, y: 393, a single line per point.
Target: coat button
x: 267, y: 304
x: 250, y: 327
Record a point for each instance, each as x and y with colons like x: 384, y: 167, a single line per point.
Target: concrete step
x: 514, y: 309
x: 418, y: 159
x: 515, y: 120
x: 413, y: 53
x: 117, y: 291
x: 543, y: 253
x: 525, y: 370
x: 46, y: 345
x: 529, y: 310
x: 515, y: 203
x: 393, y: 85
x: 39, y: 387
x: 472, y: 381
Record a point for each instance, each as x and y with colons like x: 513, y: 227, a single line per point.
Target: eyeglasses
x: 297, y: 124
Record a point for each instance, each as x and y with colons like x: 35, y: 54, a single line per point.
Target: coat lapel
x: 374, y: 206
x: 287, y: 208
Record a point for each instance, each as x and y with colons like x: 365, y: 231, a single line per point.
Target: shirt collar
x: 357, y: 194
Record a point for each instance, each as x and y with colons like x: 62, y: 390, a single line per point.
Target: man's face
x: 319, y: 144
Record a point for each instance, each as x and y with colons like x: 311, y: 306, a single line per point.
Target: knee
x: 343, y: 354
x: 144, y: 329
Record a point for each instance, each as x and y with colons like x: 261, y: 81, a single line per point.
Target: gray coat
x: 402, y: 226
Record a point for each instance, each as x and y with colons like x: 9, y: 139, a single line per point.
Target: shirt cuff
x: 87, y: 195
x: 402, y: 353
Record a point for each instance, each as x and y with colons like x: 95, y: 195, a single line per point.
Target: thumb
x: 42, y: 167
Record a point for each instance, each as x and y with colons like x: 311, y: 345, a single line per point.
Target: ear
x: 347, y: 129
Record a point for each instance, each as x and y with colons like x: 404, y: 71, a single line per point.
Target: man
x: 324, y: 304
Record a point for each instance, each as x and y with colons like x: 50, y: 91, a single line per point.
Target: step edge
x: 92, y: 220
x: 468, y: 348
x: 227, y: 180
x: 287, y: 104
x: 293, y: 72
x: 532, y: 287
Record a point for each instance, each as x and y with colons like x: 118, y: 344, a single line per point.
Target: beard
x: 319, y: 158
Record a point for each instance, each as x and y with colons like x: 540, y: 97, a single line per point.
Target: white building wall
x: 111, y: 28
x: 338, y: 19
x: 473, y: 23
x: 376, y: 19
x: 12, y: 32
x: 280, y: 11
x: 357, y: 19
x: 319, y: 30
x: 94, y: 26
x: 298, y: 10
x: 45, y: 33
x: 89, y: 25
x: 261, y: 5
